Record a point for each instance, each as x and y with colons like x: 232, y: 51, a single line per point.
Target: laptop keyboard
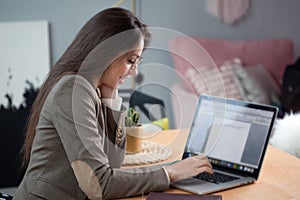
x: 215, y: 177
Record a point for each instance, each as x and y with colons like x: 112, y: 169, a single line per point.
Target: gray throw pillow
x: 256, y: 84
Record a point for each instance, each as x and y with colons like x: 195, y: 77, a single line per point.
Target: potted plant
x: 134, y: 131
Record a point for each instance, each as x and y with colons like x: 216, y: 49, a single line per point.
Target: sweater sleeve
x: 85, y: 139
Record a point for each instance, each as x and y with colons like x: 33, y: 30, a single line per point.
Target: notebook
x: 177, y: 196
x: 234, y: 136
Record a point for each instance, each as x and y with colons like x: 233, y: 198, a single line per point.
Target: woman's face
x: 122, y: 68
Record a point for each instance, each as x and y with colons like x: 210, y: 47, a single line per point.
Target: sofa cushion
x: 274, y: 54
x: 256, y: 84
x: 219, y: 81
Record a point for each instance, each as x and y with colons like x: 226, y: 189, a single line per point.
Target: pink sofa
x: 199, y: 52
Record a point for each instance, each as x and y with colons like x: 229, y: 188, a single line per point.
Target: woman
x: 75, y: 139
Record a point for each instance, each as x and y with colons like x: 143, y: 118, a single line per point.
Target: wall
x: 266, y: 19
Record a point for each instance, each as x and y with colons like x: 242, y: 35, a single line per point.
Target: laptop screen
x: 233, y: 134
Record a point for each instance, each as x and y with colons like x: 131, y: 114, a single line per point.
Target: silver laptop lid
x: 233, y: 134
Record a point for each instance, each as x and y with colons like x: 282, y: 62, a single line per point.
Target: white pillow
x: 286, y: 134
x: 219, y: 81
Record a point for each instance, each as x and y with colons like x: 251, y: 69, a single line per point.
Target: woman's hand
x: 188, y: 168
x: 108, y: 92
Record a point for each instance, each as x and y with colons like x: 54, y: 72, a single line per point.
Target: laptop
x: 234, y: 136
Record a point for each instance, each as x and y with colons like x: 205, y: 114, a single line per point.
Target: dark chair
x: 125, y: 94
x: 5, y: 196
x: 140, y: 100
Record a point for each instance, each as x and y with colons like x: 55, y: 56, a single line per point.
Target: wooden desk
x: 279, y: 178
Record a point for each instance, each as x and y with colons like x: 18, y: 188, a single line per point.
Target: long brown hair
x: 99, y: 28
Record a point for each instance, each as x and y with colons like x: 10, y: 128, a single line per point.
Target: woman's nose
x: 133, y: 71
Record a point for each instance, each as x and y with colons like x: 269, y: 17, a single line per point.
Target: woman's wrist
x: 170, y: 173
x: 188, y: 168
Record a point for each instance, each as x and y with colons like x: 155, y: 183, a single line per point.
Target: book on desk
x: 177, y: 196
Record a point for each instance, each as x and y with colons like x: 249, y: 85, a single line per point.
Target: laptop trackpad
x: 191, y: 182
x: 195, y: 186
